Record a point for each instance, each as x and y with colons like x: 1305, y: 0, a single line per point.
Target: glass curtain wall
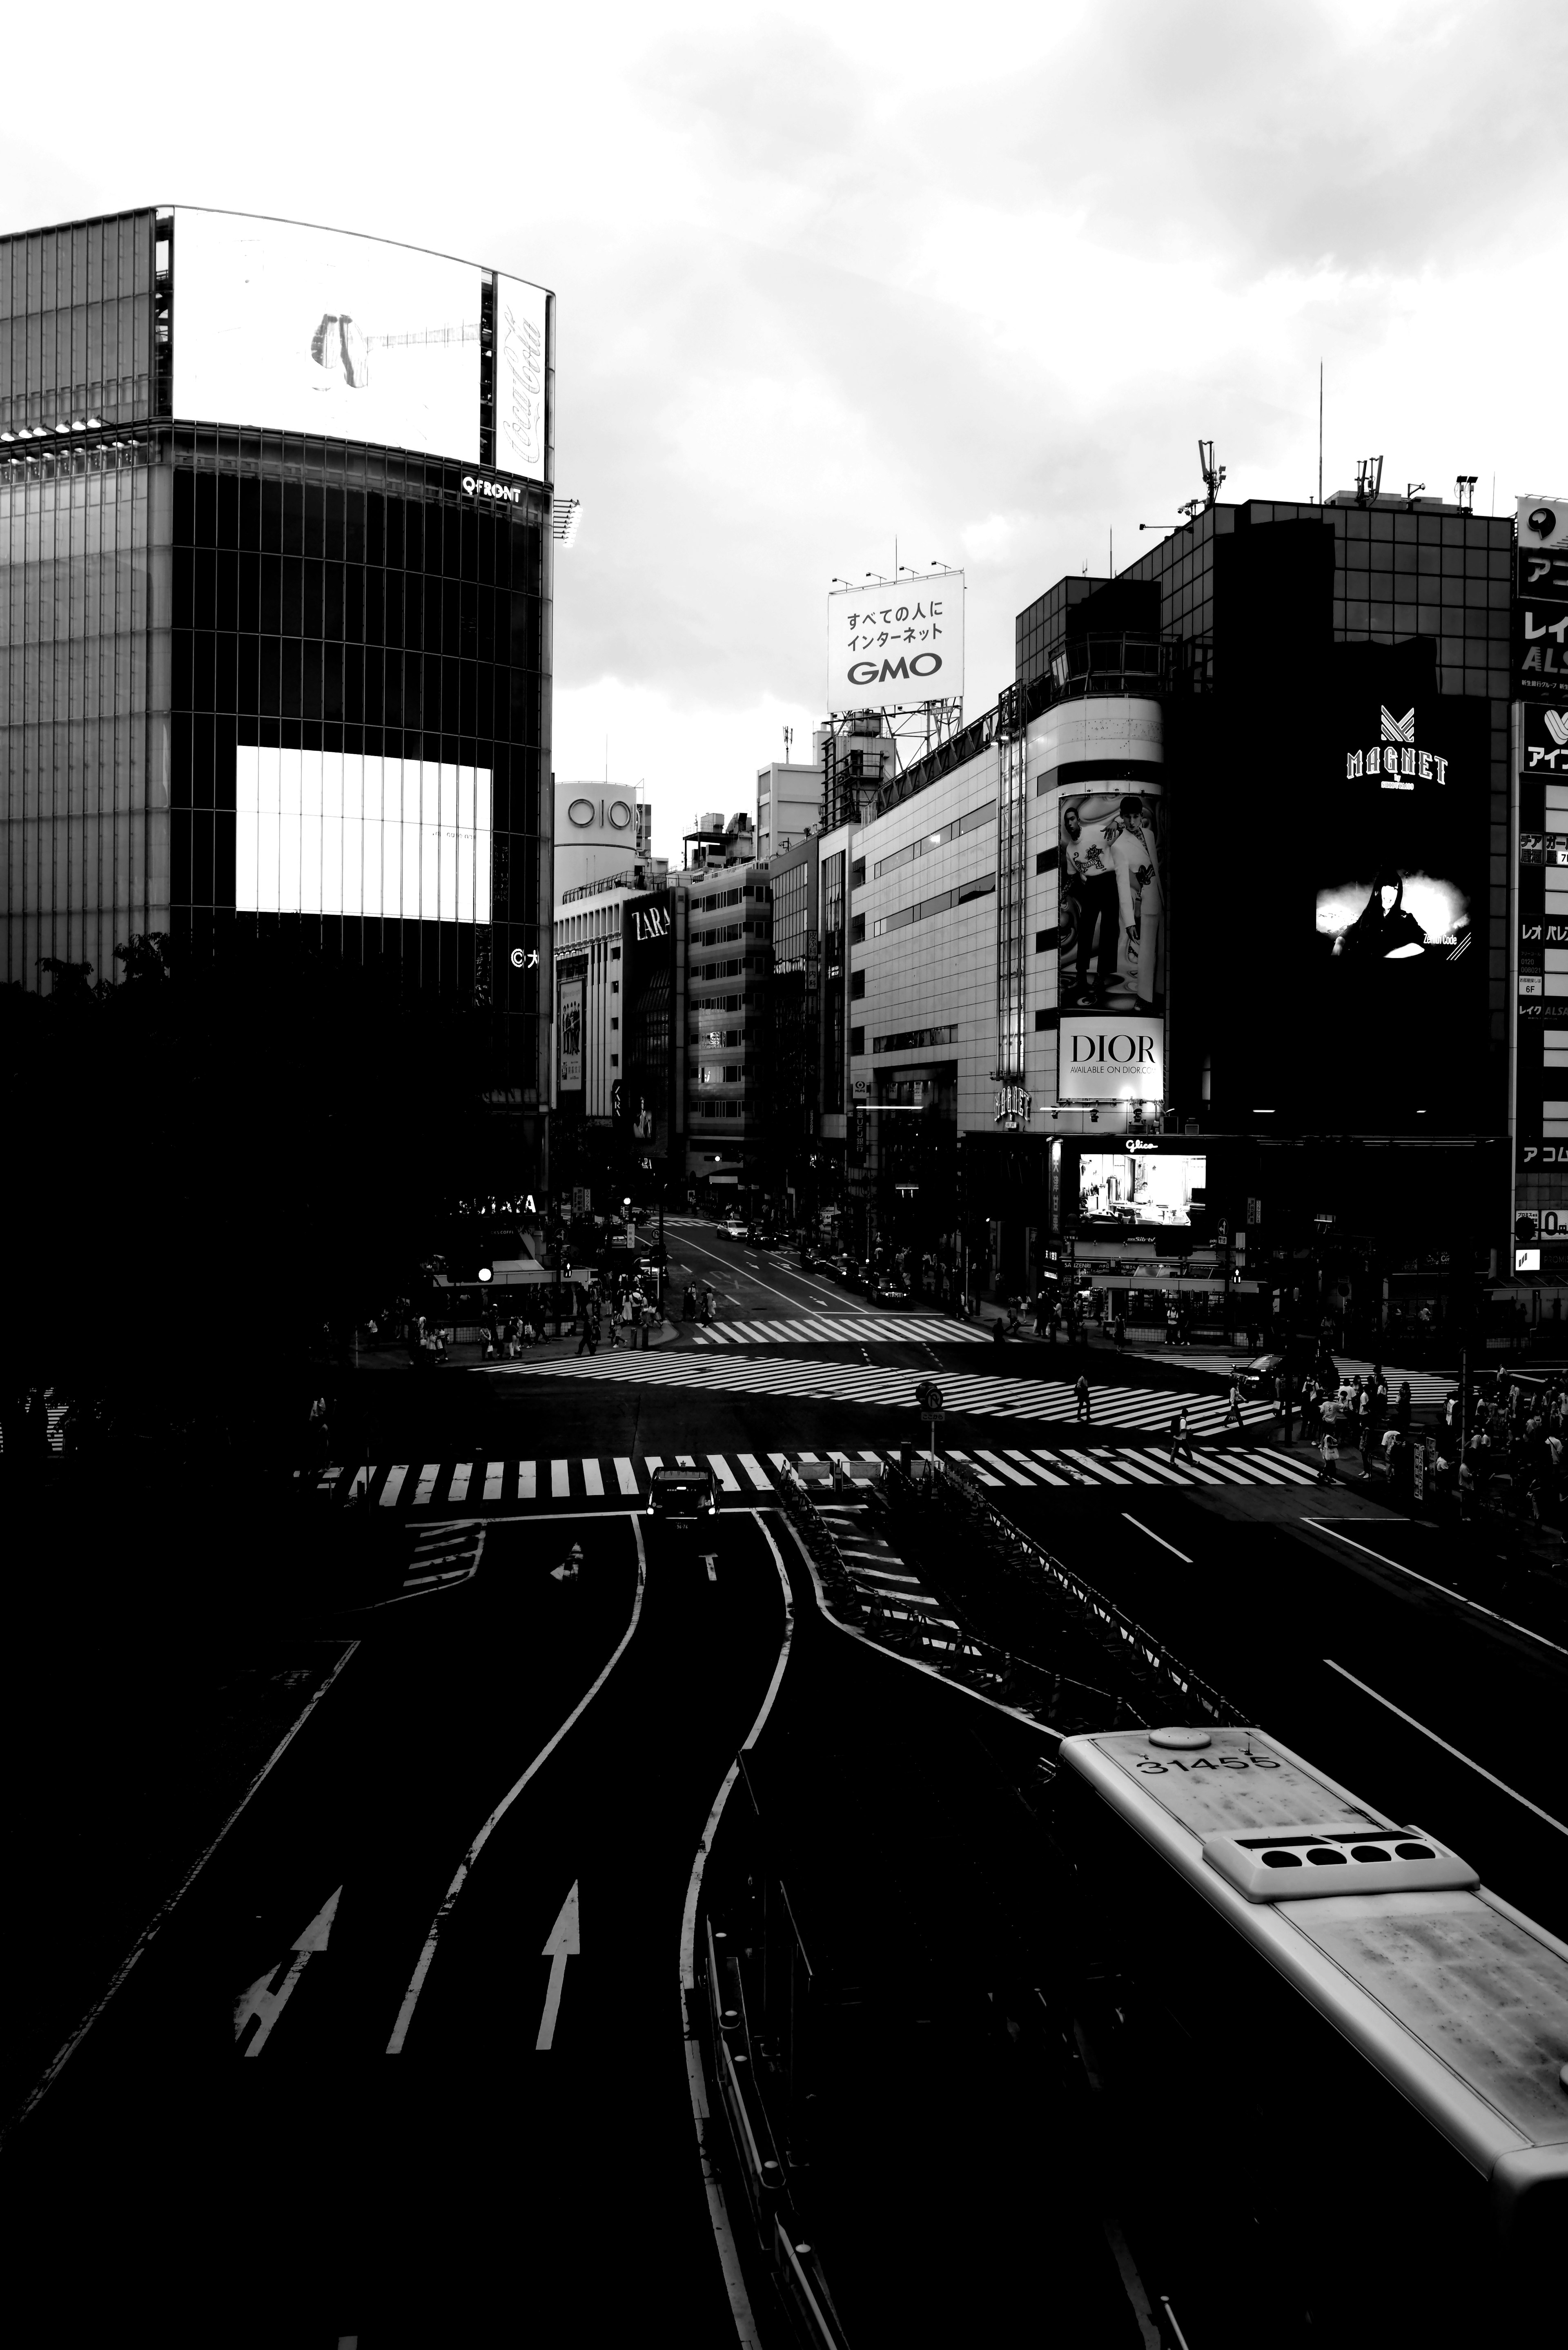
x: 84, y: 724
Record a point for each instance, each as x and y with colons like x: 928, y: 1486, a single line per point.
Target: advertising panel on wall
x: 1111, y: 942
x: 896, y: 642
x: 569, y: 1032
x: 1541, y: 947
x: 520, y: 318
x: 1156, y: 1189
x: 1541, y: 599
x: 647, y: 1022
x: 335, y: 832
x: 306, y: 329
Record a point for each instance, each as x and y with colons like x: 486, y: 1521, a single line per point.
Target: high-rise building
x: 275, y: 508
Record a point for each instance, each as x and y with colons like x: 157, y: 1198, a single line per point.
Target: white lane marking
x: 1014, y: 1476
x: 394, y: 1484
x: 565, y: 1942
x: 1149, y: 1531
x: 757, y: 1475
x: 724, y: 1473
x: 710, y: 1561
x: 527, y: 1480
x: 1469, y: 1763
x: 495, y: 1470
x: 426, y: 1485
x: 593, y: 1477
x: 560, y: 1480
x: 740, y: 2304
x: 1322, y: 1526
x: 652, y: 1463
x: 867, y: 1572
x: 624, y: 1475
x: 264, y: 2005
x: 426, y: 1955
x: 686, y: 1460
x: 461, y: 1479
x: 161, y: 1918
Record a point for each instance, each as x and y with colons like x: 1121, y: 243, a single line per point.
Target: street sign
x: 565, y: 1942
x: 258, y: 2009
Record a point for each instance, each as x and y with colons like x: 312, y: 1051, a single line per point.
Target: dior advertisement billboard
x: 1111, y: 943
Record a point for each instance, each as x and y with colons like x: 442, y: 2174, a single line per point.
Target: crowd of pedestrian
x: 1511, y: 1455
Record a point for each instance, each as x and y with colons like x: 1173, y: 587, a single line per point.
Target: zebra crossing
x: 746, y: 1478
x: 857, y: 1329
x: 963, y: 1391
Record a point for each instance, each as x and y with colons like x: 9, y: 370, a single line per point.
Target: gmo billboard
x: 896, y: 642
x: 303, y: 330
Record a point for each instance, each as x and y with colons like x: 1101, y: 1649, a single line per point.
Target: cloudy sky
x: 972, y: 278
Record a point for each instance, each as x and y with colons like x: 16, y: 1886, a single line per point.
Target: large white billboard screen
x: 312, y: 330
x: 332, y: 832
x: 893, y: 643
x: 520, y: 323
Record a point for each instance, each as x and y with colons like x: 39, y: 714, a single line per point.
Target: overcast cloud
x: 971, y: 277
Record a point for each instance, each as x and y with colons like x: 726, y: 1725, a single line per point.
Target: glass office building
x: 276, y: 604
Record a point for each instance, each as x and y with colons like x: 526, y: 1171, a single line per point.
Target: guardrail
x: 1059, y: 1702
x: 796, y: 2270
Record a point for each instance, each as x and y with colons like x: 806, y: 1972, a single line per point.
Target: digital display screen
x: 313, y: 330
x: 569, y: 1037
x: 1111, y: 943
x: 1130, y: 1188
x: 521, y: 319
x: 333, y: 832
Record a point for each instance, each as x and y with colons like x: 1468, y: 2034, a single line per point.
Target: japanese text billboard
x: 1111, y: 943
x: 896, y: 642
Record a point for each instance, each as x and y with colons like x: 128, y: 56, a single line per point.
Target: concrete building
x: 789, y: 805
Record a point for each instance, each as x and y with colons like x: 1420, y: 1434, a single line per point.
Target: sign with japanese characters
x: 896, y: 642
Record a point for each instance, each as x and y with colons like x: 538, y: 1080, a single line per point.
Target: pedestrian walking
x: 1329, y: 1448
x: 584, y: 1326
x: 1086, y: 1401
x: 1233, y: 1408
x: 1181, y: 1435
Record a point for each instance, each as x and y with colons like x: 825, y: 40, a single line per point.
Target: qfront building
x: 276, y: 513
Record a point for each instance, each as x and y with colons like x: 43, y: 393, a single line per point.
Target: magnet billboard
x: 1111, y: 943
x: 893, y: 643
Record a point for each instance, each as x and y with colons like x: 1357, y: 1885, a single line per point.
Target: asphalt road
x: 474, y: 2183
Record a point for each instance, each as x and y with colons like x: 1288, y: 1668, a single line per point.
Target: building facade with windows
x: 275, y: 513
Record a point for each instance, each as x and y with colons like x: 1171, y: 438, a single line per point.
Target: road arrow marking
x: 570, y: 1566
x: 709, y: 1560
x: 564, y: 1943
x: 269, y: 1994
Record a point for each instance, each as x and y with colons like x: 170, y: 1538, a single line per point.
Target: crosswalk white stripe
x: 527, y: 1480
x: 781, y: 1460
x: 1014, y: 1476
x: 652, y: 1461
x: 724, y: 1473
x: 624, y: 1475
x: 493, y: 1472
x: 1023, y: 1461
x: 1092, y: 1468
x: 866, y: 1571
x: 560, y: 1480
x: 758, y: 1477
x: 461, y: 1478
x: 426, y: 1486
x: 1131, y: 1462
x: 983, y: 1474
x: 749, y: 1330
x: 1190, y: 1471
x: 1221, y: 1468
x: 1160, y: 1471
x: 394, y: 1484
x: 593, y: 1480
x: 1292, y: 1469
x: 686, y: 1461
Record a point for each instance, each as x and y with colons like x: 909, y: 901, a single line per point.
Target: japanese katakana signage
x: 896, y: 642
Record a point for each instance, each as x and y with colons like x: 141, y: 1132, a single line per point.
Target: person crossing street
x: 1086, y: 1401
x: 1233, y: 1408
x: 1181, y: 1435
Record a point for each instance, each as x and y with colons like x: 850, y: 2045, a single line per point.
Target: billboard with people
x: 1111, y: 943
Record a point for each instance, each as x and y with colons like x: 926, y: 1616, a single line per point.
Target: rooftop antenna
x: 1320, y: 433
x: 1368, y: 481
x: 1213, y: 475
x: 1411, y: 489
x: 789, y: 738
x: 1464, y: 490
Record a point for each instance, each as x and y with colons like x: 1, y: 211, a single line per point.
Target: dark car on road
x: 684, y: 1497
x: 888, y: 1289
x: 848, y: 1270
x: 1262, y: 1374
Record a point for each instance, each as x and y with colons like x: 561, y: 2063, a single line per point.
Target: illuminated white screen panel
x: 314, y: 331
x: 333, y: 832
